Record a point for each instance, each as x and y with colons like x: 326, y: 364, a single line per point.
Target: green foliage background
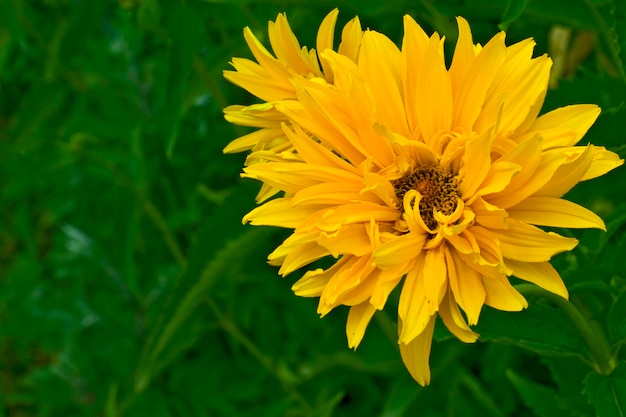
x: 129, y: 287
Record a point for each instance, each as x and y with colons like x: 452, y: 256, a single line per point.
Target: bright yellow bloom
x: 437, y: 178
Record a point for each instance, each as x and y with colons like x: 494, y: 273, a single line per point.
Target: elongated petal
x: 470, y: 94
x: 466, y: 285
x: 523, y: 242
x: 313, y: 282
x: 298, y: 257
x: 576, y: 118
x: 555, y: 212
x: 351, y: 37
x: 540, y: 273
x: 435, y: 278
x: 279, y: 213
x: 416, y: 354
x: 358, y: 319
x: 454, y: 320
x: 476, y: 162
x: 413, y: 308
x: 500, y: 294
x: 399, y: 251
x: 603, y: 161
x: 434, y: 104
x: 379, y: 65
x: 568, y: 174
x: 414, y: 46
x: 464, y: 55
x: 325, y: 37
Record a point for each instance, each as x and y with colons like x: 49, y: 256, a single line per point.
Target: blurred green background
x: 129, y: 287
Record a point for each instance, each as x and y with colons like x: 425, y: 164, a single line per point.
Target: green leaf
x: 543, y: 400
x: 210, y: 259
x: 568, y: 374
x: 617, y: 319
x: 607, y: 393
x: 399, y: 399
x: 619, y: 12
x: 513, y: 11
x: 541, y: 328
x: 185, y: 30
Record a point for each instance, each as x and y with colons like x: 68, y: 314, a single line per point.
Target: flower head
x: 433, y: 178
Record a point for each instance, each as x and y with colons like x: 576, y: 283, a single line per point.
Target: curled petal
x: 454, y: 320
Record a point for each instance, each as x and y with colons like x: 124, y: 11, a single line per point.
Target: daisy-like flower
x: 433, y: 178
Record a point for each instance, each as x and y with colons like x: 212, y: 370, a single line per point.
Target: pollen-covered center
x: 437, y: 186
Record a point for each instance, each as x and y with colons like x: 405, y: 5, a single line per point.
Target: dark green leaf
x: 543, y: 400
x: 617, y: 319
x: 185, y: 31
x: 541, y: 328
x: 607, y: 393
x: 514, y: 9
x: 568, y: 374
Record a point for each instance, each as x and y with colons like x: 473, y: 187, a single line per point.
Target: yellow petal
x: 379, y: 65
x: 500, y: 175
x: 413, y: 309
x: 333, y: 193
x: 568, y: 174
x: 603, y: 162
x: 523, y: 242
x: 351, y: 37
x: 521, y: 82
x: 358, y: 319
x: 466, y: 285
x: 434, y: 103
x: 325, y: 37
x: 534, y: 176
x: 252, y: 140
x: 454, y: 321
x: 476, y: 164
x: 489, y: 215
x: 577, y: 118
x: 414, y: 44
x: 265, y: 88
x: 501, y: 295
x: 416, y: 353
x: 435, y: 278
x: 352, y: 284
x: 279, y: 213
x: 294, y: 176
x: 541, y: 274
x: 287, y: 48
x: 313, y: 152
x: 351, y: 239
x: 355, y: 213
x: 399, y: 251
x: 555, y: 212
x: 385, y: 284
x: 313, y: 282
x: 297, y: 257
x: 470, y: 94
x: 464, y: 54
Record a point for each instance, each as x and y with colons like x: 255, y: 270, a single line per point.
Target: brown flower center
x: 437, y: 186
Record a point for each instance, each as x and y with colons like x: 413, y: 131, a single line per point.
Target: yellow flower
x: 411, y: 172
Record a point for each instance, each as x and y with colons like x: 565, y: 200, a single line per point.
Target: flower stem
x: 600, y: 353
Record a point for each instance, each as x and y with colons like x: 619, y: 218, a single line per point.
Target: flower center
x: 437, y: 187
